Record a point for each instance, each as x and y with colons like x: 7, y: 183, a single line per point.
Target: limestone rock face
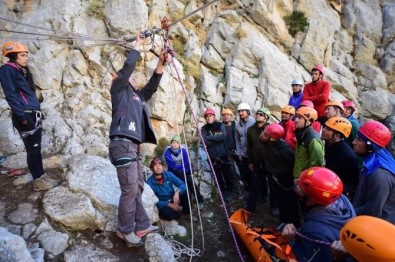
x: 13, y: 247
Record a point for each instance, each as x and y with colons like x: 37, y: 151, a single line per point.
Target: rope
x: 320, y: 242
x: 211, y: 165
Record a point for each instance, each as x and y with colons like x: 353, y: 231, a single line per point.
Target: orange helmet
x: 275, y: 131
x: 288, y: 109
x: 369, y: 238
x: 226, y: 111
x: 13, y: 47
x: 307, y: 113
x: 321, y: 185
x: 336, y: 103
x: 376, y: 132
x: 339, y: 124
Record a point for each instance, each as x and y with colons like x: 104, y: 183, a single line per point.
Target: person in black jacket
x: 18, y: 86
x: 130, y: 127
x: 214, y: 136
x: 339, y: 157
x: 279, y: 161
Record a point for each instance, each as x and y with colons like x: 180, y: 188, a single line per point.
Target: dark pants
x: 224, y: 173
x: 191, y: 186
x: 168, y: 213
x: 259, y: 187
x: 245, y: 173
x: 32, y: 144
x: 322, y: 120
x: 288, y: 203
x: 131, y: 213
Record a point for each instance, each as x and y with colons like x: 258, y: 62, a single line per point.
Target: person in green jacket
x: 309, y: 146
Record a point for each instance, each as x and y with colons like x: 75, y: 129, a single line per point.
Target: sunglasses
x: 260, y: 114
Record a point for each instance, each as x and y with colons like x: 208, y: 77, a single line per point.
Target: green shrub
x: 296, y: 22
x: 96, y: 9
x: 161, y: 146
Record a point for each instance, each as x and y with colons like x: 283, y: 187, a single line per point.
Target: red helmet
x: 376, y: 132
x: 362, y: 237
x: 319, y: 68
x: 155, y: 161
x: 307, y: 113
x: 321, y: 185
x: 209, y: 111
x: 275, y: 131
x: 348, y: 103
x: 307, y: 103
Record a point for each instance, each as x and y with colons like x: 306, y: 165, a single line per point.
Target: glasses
x: 260, y: 114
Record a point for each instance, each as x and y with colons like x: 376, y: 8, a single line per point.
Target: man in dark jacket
x: 339, y: 157
x: 130, y: 127
x: 375, y: 193
x: 214, y: 136
x: 279, y: 161
x: 259, y: 186
x: 327, y: 211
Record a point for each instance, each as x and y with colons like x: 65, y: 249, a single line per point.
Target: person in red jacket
x: 318, y: 92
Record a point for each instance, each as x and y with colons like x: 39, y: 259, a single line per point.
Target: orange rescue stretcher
x: 264, y: 243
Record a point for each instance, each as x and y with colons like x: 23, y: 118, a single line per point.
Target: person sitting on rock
x: 172, y: 202
x: 178, y: 163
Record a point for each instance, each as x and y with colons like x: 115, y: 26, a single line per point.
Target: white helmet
x: 297, y: 82
x: 243, y: 106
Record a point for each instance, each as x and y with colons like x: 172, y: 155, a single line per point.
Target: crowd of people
x: 318, y: 154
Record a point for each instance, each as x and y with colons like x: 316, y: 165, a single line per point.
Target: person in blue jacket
x: 170, y: 190
x: 18, y: 85
x: 327, y: 211
x: 375, y: 192
x: 178, y: 163
x: 297, y: 93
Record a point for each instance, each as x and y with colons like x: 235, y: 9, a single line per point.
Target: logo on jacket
x: 132, y: 126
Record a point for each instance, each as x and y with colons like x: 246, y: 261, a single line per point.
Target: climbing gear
x: 288, y: 109
x: 265, y: 111
x: 297, y: 82
x: 308, y: 113
x: 321, y: 185
x: 226, y: 111
x: 150, y: 229
x: 176, y: 138
x: 275, y: 131
x: 209, y: 111
x: 335, y: 104
x: 339, y: 124
x: 307, y: 103
x: 349, y: 104
x: 369, y: 238
x: 25, y: 134
x: 131, y: 239
x: 376, y: 132
x: 123, y: 162
x: 243, y: 106
x: 265, y: 244
x: 13, y: 47
x: 319, y: 68
x: 155, y: 161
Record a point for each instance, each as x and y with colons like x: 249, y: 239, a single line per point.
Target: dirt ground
x: 216, y: 231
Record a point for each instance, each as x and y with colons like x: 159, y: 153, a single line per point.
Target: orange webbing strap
x: 267, y: 238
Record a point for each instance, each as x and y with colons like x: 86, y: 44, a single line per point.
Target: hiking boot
x: 131, y: 239
x: 44, y: 183
x: 150, y: 229
x: 23, y: 180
